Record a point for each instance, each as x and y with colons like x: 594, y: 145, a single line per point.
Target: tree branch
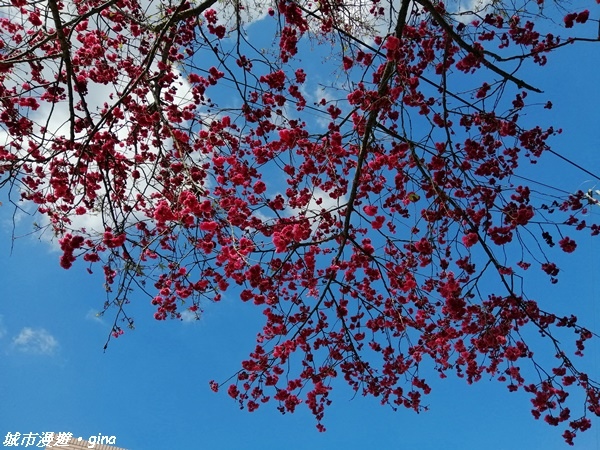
x: 464, y: 45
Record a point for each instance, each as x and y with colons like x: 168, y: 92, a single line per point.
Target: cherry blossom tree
x: 370, y: 204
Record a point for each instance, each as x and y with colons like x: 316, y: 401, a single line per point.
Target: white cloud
x: 189, y: 316
x: 37, y: 341
x: 2, y: 327
x: 246, y: 12
x: 466, y: 11
x: 320, y: 201
x: 94, y: 317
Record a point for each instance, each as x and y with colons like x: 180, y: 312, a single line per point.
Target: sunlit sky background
x: 150, y: 388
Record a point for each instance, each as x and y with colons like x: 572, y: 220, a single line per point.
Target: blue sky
x: 150, y: 388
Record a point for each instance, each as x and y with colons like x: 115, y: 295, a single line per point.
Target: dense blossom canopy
x: 378, y: 221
